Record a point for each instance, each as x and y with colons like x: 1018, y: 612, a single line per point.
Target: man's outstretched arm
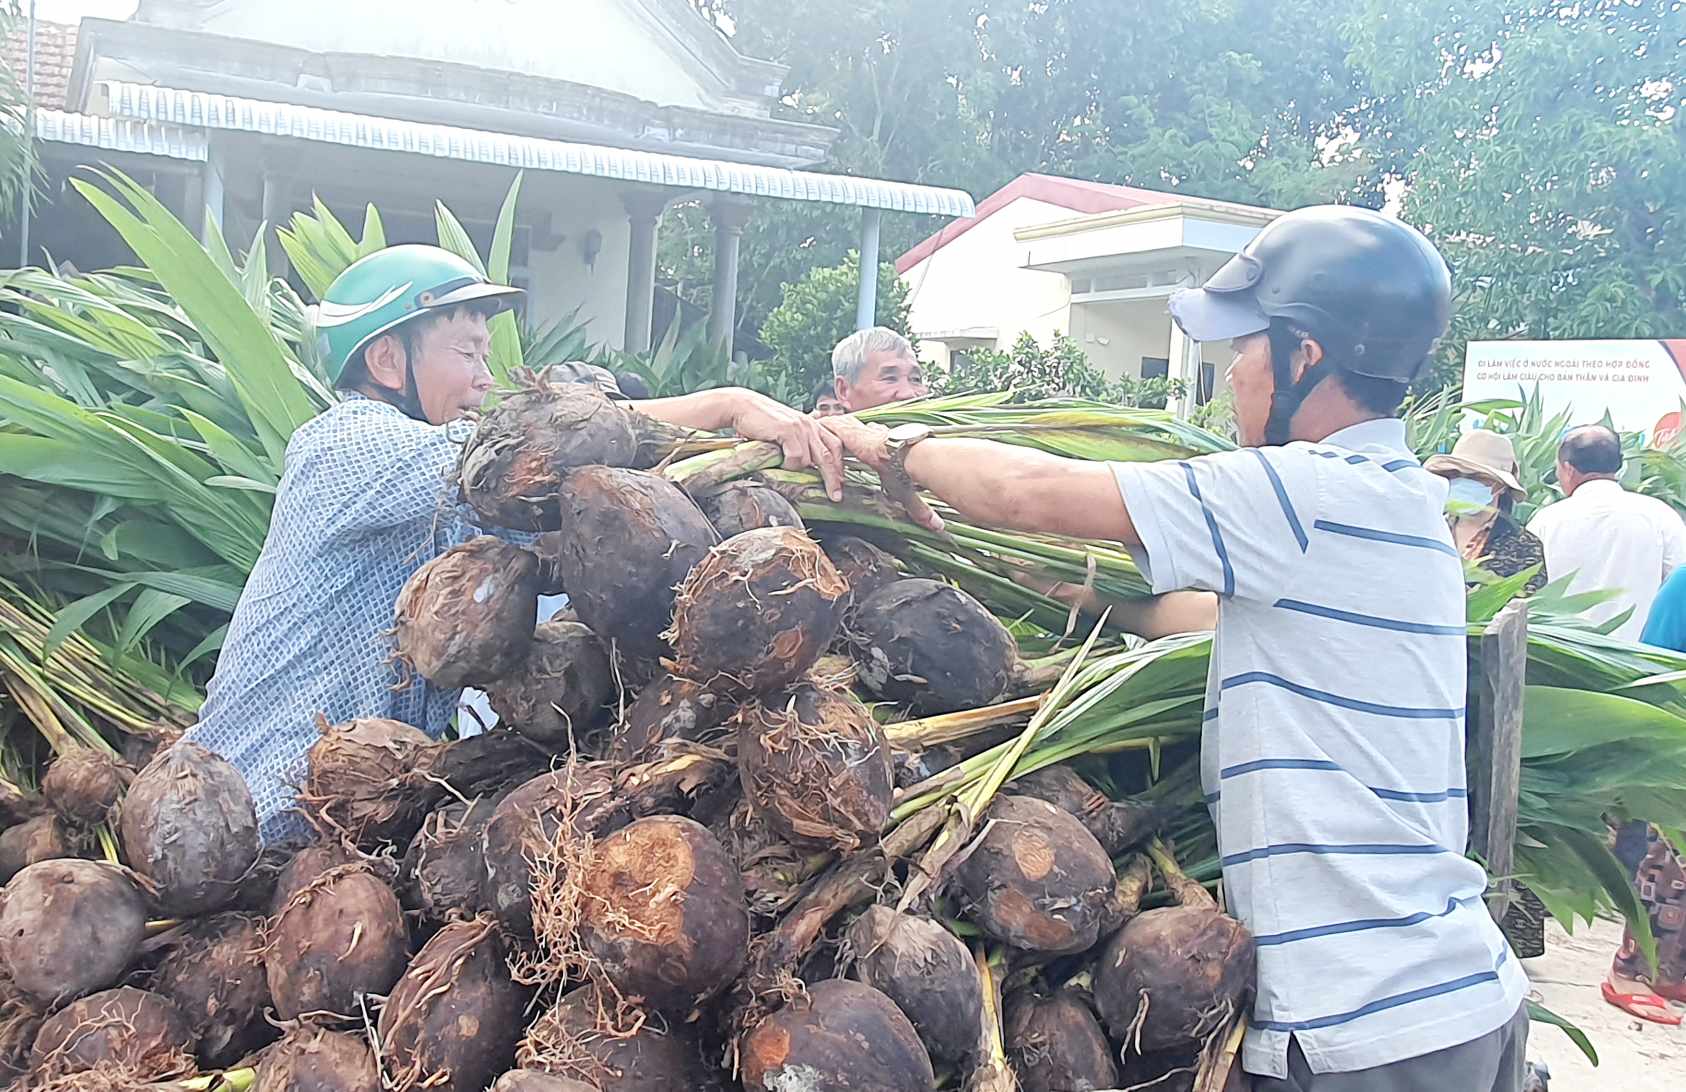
x: 1000, y: 485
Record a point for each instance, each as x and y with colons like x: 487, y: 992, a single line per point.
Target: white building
x: 1095, y: 261
x: 243, y: 110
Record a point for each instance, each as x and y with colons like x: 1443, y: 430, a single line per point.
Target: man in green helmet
x: 365, y: 500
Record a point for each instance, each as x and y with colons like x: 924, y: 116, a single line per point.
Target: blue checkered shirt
x: 365, y: 500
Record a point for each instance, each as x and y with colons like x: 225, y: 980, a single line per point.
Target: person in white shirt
x: 1332, y: 752
x: 1606, y: 537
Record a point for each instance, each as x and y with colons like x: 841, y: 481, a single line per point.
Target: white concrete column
x: 275, y: 210
x: 1185, y: 365
x: 729, y: 217
x: 211, y: 188
x: 643, y: 213
x: 866, y: 299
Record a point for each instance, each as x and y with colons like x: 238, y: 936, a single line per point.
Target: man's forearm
x: 1014, y: 487
x: 709, y: 411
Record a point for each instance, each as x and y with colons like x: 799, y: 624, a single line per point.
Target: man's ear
x: 1309, y: 356
x: 385, y: 360
x: 840, y: 388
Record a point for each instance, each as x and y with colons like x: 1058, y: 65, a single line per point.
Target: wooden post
x: 1495, y: 748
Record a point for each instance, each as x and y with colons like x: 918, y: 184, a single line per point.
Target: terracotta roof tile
x: 55, y: 52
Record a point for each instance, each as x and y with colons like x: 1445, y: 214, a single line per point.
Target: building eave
x: 1219, y: 212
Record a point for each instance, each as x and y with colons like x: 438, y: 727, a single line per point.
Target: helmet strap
x: 409, y: 399
x: 1288, y: 393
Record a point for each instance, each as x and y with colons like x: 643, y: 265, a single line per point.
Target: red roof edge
x: 1079, y: 196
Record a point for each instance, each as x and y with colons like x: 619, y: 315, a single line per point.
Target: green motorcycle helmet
x: 379, y: 293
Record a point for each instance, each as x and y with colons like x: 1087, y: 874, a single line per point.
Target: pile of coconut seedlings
x: 689, y: 856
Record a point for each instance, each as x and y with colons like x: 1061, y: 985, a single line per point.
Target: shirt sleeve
x: 385, y: 475
x: 1674, y: 542
x: 1665, y: 626
x: 1233, y: 523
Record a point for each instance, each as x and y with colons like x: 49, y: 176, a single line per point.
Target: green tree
x: 1551, y: 164
x: 817, y: 312
x: 1059, y: 370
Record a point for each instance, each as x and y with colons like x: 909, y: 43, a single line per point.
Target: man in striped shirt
x: 1333, y: 753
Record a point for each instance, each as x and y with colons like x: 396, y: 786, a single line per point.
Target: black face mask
x: 1288, y: 394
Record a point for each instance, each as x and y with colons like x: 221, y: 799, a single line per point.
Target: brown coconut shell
x: 1191, y: 968
x: 668, y: 708
x: 85, y: 785
x: 1037, y: 879
x: 452, y: 1021
x: 311, y: 1059
x: 574, y: 1039
x: 304, y: 868
x: 843, y: 1034
x: 340, y: 937
x: 815, y: 767
x: 1118, y: 825
x: 757, y: 612
x: 366, y: 780
x: 122, y: 1031
x: 18, y: 804
x: 189, y: 827
x: 1055, y: 1044
x: 748, y: 506
x: 531, y: 1080
x: 45, y: 837
x: 561, y: 690
x: 864, y: 566
x: 68, y: 928
x: 466, y: 618
x: 215, y: 977
x: 443, y: 873
x: 512, y: 469
x: 630, y: 538
x: 930, y: 646
x: 524, y: 826
x: 663, y: 914
x: 927, y: 972
x: 20, y: 1019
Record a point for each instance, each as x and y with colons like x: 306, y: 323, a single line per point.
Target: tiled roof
x: 55, y: 52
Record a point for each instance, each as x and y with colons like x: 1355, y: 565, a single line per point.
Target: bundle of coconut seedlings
x: 706, y: 846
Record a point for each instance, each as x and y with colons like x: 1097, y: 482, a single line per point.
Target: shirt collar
x: 1386, y: 433
x: 1600, y: 485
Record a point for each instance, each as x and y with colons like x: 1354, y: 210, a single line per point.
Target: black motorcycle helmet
x: 1369, y: 288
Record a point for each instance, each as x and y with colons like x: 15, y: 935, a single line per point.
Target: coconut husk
x: 668, y: 708
x: 815, y: 766
x: 486, y: 764
x: 215, y: 977
x: 512, y: 469
x: 443, y: 873
x: 663, y: 914
x: 592, y: 1039
x: 773, y: 870
x: 452, y: 1021
x: 188, y: 826
x: 548, y: 549
x: 466, y: 617
x: 123, y: 1031
x: 531, y: 1080
x: 840, y: 1034
x: 757, y: 612
x: 562, y: 688
x: 18, y: 804
x: 1118, y: 825
x: 368, y: 781
x: 748, y: 506
x: 1055, y: 1043
x: 1035, y: 879
x: 1174, y: 977
x: 930, y: 646
x: 69, y: 927
x: 84, y: 786
x: 45, y: 837
x: 630, y: 538
x: 865, y: 567
x: 311, y: 1059
x: 303, y: 868
x: 927, y: 972
x: 340, y: 937
x: 522, y: 828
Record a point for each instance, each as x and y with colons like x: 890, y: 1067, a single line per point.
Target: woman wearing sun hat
x: 1482, y: 469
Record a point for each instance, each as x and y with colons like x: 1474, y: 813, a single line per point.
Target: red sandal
x: 1646, y: 1006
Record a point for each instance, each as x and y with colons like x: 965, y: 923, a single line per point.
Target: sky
x: 72, y: 11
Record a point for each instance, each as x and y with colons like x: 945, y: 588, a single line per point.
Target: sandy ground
x: 1633, y: 1055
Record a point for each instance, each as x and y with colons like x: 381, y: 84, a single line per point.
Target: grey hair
x: 849, y: 358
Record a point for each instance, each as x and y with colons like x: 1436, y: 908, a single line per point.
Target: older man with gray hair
x: 875, y: 367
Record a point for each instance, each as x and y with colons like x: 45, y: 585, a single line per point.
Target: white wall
x: 976, y: 280
x: 561, y: 281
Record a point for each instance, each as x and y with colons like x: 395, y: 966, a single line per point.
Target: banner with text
x: 1641, y: 384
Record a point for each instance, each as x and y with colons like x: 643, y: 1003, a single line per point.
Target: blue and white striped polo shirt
x: 1333, y: 755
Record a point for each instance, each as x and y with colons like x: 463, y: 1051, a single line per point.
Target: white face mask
x: 1468, y: 496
